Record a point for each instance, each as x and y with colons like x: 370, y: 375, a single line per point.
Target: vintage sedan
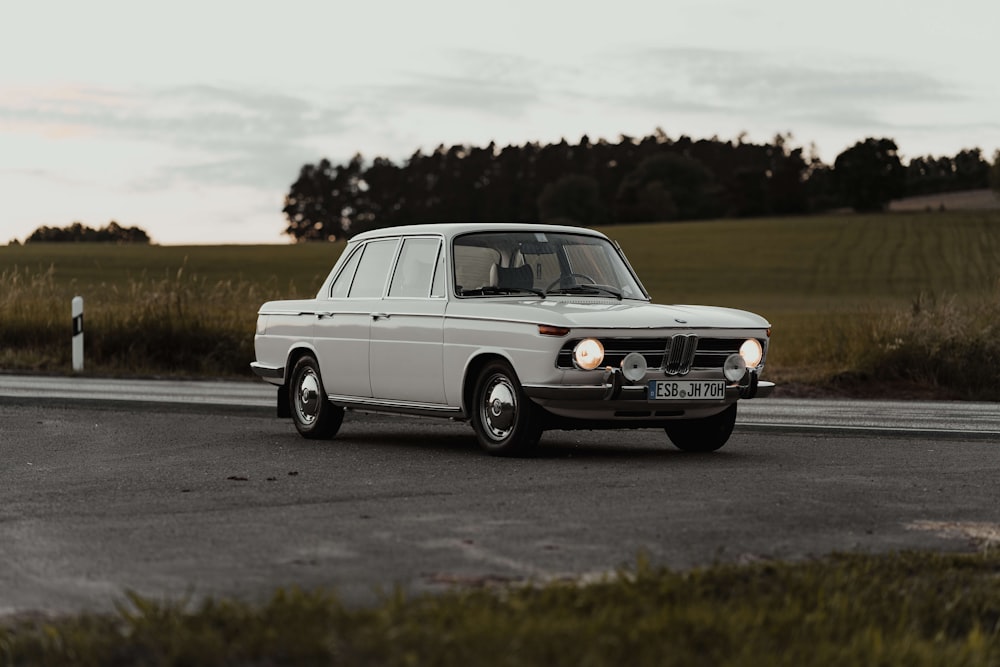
x: 517, y: 328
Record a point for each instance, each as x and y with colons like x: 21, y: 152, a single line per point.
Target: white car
x: 517, y: 328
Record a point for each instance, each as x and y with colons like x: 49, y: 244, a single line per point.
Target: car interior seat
x: 516, y: 275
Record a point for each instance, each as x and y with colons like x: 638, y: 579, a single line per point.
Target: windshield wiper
x: 494, y: 290
x: 588, y: 289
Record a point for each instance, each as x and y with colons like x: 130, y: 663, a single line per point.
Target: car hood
x: 602, y: 313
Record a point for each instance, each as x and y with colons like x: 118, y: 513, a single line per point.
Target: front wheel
x: 314, y: 416
x: 703, y: 435
x: 504, y: 418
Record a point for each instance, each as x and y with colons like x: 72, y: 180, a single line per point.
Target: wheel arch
x: 294, y: 354
x: 473, y: 368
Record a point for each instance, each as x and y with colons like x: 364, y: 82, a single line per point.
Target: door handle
x: 321, y: 316
x: 380, y: 316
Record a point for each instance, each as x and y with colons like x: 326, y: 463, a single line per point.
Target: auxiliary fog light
x: 734, y: 368
x: 634, y: 366
x: 752, y: 352
x: 588, y: 354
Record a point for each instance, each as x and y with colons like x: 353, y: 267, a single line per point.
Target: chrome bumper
x: 268, y: 372
x: 615, y: 390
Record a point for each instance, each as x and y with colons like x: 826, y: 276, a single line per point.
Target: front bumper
x: 616, y: 388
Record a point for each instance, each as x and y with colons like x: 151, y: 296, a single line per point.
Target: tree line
x: 652, y: 178
x: 80, y: 233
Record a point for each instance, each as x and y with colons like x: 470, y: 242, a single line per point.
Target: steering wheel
x: 560, y: 279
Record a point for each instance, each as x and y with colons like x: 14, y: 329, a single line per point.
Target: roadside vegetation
x: 148, y: 310
x: 903, y: 304
x: 899, y: 609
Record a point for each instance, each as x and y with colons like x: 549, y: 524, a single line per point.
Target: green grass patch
x: 899, y: 609
x: 898, y: 302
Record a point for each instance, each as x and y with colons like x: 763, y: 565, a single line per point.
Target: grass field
x: 908, y: 299
x: 898, y: 609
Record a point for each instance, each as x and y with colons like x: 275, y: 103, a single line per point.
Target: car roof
x: 452, y: 229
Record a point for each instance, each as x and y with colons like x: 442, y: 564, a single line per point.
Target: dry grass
x: 940, y: 342
x: 180, y: 324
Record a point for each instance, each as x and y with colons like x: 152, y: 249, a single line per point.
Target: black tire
x: 313, y: 415
x: 703, y: 435
x: 506, y: 422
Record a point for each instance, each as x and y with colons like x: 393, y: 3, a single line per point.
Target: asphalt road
x: 172, y: 498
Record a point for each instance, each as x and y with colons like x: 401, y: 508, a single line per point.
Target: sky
x: 192, y: 119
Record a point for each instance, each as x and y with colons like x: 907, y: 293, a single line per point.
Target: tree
x: 309, y: 205
x: 575, y: 199
x: 78, y: 232
x: 785, y: 178
x: 968, y: 170
x: 972, y: 172
x: 995, y: 174
x: 668, y: 186
x: 869, y: 174
x: 634, y: 179
x: 327, y: 202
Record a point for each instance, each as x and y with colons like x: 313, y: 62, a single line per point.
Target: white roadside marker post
x: 77, y: 334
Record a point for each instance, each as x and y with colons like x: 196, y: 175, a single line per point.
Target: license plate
x: 687, y: 390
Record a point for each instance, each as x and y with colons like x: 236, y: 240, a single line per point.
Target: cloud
x: 844, y: 93
x: 481, y: 81
x: 204, y: 128
x: 460, y: 93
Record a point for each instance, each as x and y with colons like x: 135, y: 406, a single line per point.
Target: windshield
x: 541, y: 263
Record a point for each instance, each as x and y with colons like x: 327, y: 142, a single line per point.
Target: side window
x: 437, y: 287
x: 472, y: 266
x: 373, y: 269
x: 342, y: 285
x: 415, y: 268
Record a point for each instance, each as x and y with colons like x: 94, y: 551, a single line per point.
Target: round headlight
x: 734, y: 368
x: 752, y: 352
x: 588, y: 354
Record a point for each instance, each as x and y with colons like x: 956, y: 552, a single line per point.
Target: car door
x: 406, y: 353
x: 341, y: 334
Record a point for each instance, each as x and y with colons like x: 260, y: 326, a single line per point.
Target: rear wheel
x: 506, y: 422
x: 314, y: 416
x: 703, y: 435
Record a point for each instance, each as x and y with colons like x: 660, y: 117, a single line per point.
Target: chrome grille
x: 680, y: 354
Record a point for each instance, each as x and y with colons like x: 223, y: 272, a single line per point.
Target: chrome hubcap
x: 499, y: 408
x: 307, y: 399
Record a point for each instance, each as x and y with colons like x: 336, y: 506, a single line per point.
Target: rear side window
x: 373, y: 269
x: 415, y: 268
x: 342, y: 285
